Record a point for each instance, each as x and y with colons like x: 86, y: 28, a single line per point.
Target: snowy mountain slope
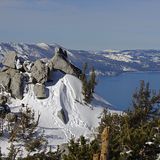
x: 107, y: 62
x: 66, y: 94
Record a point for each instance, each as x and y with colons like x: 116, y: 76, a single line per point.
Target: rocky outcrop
x: 16, y: 86
x: 39, y: 72
x: 63, y: 116
x: 39, y: 91
x: 16, y: 72
x: 10, y: 60
x: 5, y: 80
x: 60, y: 62
x: 11, y: 72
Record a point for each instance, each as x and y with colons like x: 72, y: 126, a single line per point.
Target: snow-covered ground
x: 66, y: 93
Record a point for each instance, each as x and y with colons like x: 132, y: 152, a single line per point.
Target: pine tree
x: 88, y: 85
x: 12, y: 155
x: 135, y: 134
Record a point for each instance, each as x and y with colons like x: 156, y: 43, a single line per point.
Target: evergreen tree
x: 81, y: 149
x: 88, y: 85
x: 13, y: 151
x: 136, y: 133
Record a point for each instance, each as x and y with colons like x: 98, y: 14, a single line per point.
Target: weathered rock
x: 63, y: 116
x: 5, y: 80
x: 12, y: 72
x: 39, y: 91
x: 10, y: 60
x: 3, y: 99
x: 39, y: 72
x: 60, y: 62
x: 16, y: 86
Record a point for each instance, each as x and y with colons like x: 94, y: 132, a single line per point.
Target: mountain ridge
x: 106, y: 63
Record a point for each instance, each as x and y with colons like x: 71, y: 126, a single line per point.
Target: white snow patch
x: 43, y: 46
x: 66, y: 94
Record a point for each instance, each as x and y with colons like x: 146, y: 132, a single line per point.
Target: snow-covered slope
x: 66, y: 93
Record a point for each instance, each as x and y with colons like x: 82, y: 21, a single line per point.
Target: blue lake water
x: 118, y: 90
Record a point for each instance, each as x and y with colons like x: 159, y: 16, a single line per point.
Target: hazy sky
x: 82, y: 24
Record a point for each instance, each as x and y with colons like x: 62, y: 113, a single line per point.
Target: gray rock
x: 12, y: 72
x: 39, y: 72
x: 60, y: 62
x: 63, y: 116
x: 16, y: 86
x: 3, y: 99
x: 10, y: 60
x: 5, y: 80
x: 39, y: 91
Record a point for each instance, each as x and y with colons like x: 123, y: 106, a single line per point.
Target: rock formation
x: 63, y: 116
x: 60, y: 62
x: 39, y: 91
x: 39, y: 72
x: 5, y: 80
x: 16, y: 86
x: 15, y: 69
x: 10, y: 60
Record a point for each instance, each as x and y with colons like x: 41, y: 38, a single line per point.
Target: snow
x: 119, y: 57
x: 66, y: 94
x: 43, y: 46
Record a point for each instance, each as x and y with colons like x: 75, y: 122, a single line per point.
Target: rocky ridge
x: 17, y: 73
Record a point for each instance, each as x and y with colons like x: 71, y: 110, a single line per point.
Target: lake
x: 118, y: 90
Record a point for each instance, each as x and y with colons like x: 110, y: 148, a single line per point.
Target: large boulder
x: 39, y: 91
x: 63, y: 116
x: 10, y: 60
x: 60, y: 62
x: 39, y: 72
x: 4, y: 80
x: 16, y: 86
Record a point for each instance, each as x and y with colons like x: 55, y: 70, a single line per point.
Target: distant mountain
x: 107, y: 62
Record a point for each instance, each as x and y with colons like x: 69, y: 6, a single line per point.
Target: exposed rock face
x: 60, y: 62
x: 11, y: 72
x: 39, y: 91
x: 63, y: 116
x: 3, y: 99
x: 39, y: 72
x: 17, y: 73
x: 10, y: 60
x: 16, y: 86
x: 5, y: 80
